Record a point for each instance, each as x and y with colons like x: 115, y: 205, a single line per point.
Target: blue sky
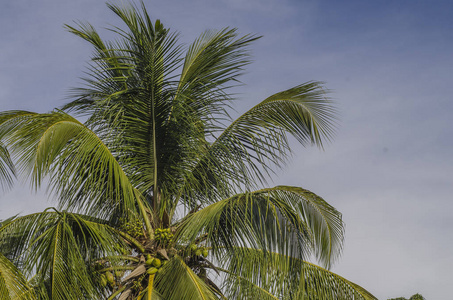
x: 389, y: 67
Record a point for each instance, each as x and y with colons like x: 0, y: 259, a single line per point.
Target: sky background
x: 389, y: 67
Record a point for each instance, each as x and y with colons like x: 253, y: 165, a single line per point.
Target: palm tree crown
x: 160, y: 194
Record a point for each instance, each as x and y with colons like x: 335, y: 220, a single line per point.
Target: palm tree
x: 160, y: 195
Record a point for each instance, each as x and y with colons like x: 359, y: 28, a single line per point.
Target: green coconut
x: 109, y: 276
x: 205, y: 253
x: 119, y: 274
x: 157, y: 263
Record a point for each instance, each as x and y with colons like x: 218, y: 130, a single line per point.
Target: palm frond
x: 253, y: 272
x: 162, y: 123
x: 323, y: 222
x: 7, y: 170
x: 176, y: 280
x: 302, y: 111
x: 320, y: 282
x: 62, y: 246
x: 84, y: 173
x: 129, y: 95
x: 287, y: 220
x: 246, y: 152
x: 9, y: 121
x: 13, y: 285
x: 212, y: 65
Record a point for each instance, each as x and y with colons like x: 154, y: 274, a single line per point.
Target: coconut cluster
x: 107, y: 277
x: 163, y: 236
x: 198, y: 251
x: 153, y: 264
x: 133, y: 228
x: 133, y: 270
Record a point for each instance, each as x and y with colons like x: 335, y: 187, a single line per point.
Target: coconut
x: 109, y: 276
x: 205, y: 253
x: 157, y: 263
x: 119, y: 274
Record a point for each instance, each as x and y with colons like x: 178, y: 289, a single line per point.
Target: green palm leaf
x: 275, y: 276
x: 162, y: 123
x: 323, y: 221
x: 289, y: 220
x: 13, y: 285
x: 9, y: 121
x: 320, y: 282
x: 61, y: 246
x: 83, y: 171
x: 7, y: 170
x: 177, y: 280
x: 247, y: 150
